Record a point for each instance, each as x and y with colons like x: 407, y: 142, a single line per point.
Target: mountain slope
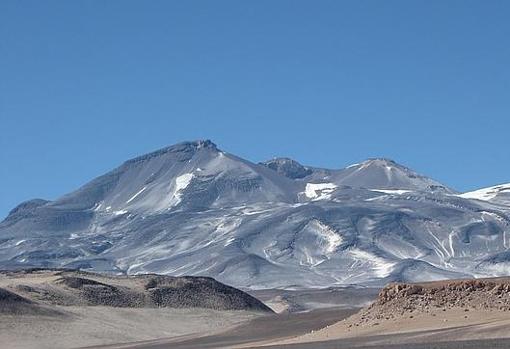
x: 192, y: 209
x: 497, y: 194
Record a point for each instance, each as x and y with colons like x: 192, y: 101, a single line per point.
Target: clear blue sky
x: 85, y: 85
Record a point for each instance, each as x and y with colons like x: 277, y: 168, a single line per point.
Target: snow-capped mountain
x: 193, y: 209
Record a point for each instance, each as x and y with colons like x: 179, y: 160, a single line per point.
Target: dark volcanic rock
x: 199, y: 292
x: 97, y: 293
x: 32, y: 291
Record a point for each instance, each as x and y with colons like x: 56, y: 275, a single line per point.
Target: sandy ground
x: 88, y: 326
x: 334, y: 329
x: 267, y: 328
x: 436, y: 326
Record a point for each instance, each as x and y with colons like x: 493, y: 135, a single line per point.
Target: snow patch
x: 134, y: 196
x: 319, y: 191
x: 391, y: 191
x: 380, y: 265
x: 120, y: 212
x: 328, y: 236
x: 181, y: 183
x: 353, y: 165
x: 230, y: 241
x: 134, y: 266
x: 486, y: 194
x: 450, y: 241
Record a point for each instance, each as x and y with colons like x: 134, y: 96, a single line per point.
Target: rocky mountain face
x: 193, y: 209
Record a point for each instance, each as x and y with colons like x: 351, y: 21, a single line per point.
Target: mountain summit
x: 386, y: 174
x: 194, y: 209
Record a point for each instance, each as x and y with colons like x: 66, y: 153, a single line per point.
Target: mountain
x: 193, y: 209
x: 371, y: 174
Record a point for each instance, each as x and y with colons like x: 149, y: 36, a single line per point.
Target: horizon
x: 87, y: 85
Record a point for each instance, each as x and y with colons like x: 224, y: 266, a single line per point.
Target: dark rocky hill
x: 25, y: 290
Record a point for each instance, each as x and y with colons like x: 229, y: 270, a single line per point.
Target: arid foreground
x: 446, y: 311
x: 67, y: 309
x: 458, y: 314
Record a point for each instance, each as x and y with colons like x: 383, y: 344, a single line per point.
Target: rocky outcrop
x: 400, y: 299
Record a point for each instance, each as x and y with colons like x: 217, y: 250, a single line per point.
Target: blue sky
x: 85, y: 85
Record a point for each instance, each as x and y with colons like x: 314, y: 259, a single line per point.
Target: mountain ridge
x: 193, y: 209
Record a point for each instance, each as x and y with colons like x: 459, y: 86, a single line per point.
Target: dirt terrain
x: 268, y: 328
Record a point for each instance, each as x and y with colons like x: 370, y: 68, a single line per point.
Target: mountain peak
x: 384, y: 173
x: 287, y: 167
x: 381, y: 162
x: 384, y: 164
x: 187, y: 149
x: 191, y: 145
x: 204, y: 143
